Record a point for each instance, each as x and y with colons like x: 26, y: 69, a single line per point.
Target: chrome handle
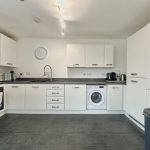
x: 55, y: 92
x: 9, y: 64
x: 116, y: 87
x: 76, y: 87
x: 55, y: 100
x: 55, y: 87
x: 15, y: 86
x: 134, y: 81
x: 109, y: 64
x: 94, y: 64
x: 134, y: 74
x: 75, y: 64
x: 35, y: 86
x: 55, y: 106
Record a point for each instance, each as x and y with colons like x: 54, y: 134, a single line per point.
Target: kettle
x: 123, y: 77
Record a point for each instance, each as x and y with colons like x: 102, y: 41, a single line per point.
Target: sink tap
x: 48, y: 73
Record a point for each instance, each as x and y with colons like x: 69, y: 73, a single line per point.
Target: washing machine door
x: 96, y: 98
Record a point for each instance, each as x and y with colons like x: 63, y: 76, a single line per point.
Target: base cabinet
x: 35, y: 97
x: 75, y: 97
x: 114, y: 97
x: 136, y: 98
x: 15, y: 96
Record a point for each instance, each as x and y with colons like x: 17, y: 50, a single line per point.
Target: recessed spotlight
x: 62, y: 33
x: 36, y: 19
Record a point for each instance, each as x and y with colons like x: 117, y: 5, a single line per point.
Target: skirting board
x: 63, y: 112
x: 3, y: 112
x: 137, y: 124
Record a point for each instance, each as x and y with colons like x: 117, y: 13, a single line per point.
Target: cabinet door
x: 15, y: 95
x: 75, y: 55
x: 136, y: 98
x: 8, y: 51
x: 136, y: 53
x: 94, y: 55
x: 75, y: 97
x: 114, y: 97
x: 109, y: 56
x: 35, y: 97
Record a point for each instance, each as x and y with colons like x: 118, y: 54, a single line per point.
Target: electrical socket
x: 27, y: 73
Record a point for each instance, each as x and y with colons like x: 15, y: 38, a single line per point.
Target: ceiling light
x: 62, y: 33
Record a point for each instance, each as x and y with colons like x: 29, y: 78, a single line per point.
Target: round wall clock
x: 40, y: 53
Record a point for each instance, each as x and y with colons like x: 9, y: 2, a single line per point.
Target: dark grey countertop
x: 88, y: 81
x: 147, y: 112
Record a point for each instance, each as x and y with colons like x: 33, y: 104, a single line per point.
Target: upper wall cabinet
x: 75, y: 55
x: 94, y: 55
x: 7, y: 51
x: 90, y: 55
x: 137, y: 48
x: 109, y: 56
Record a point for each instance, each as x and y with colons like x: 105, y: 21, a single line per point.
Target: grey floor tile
x: 69, y: 132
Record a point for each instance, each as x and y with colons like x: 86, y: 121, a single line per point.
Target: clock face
x: 40, y: 53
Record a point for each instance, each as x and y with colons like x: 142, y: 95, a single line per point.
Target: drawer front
x: 55, y: 87
x: 55, y: 93
x: 55, y: 100
x: 55, y: 106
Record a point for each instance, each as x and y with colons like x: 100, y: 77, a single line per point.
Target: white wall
x: 31, y: 67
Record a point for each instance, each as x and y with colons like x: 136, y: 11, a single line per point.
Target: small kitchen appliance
x: 111, y: 76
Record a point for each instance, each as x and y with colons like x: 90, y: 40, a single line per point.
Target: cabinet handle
x: 55, y: 100
x: 75, y: 64
x: 134, y: 74
x: 76, y: 87
x: 108, y: 64
x: 10, y: 64
x: 55, y: 106
x: 55, y: 92
x: 116, y: 87
x: 35, y: 86
x: 15, y: 86
x: 55, y: 87
x: 94, y: 64
x: 134, y: 81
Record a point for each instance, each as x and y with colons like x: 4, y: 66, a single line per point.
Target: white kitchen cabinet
x: 109, y: 56
x: 7, y: 51
x: 136, y: 98
x: 55, y: 97
x: 94, y: 55
x: 15, y: 96
x: 137, y: 47
x: 75, y: 97
x: 114, y: 97
x: 35, y: 97
x: 75, y: 55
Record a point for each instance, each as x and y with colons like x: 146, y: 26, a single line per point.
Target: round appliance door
x: 96, y: 98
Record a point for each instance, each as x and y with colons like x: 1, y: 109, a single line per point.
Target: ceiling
x: 84, y: 18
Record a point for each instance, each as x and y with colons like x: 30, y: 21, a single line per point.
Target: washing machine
x: 96, y: 97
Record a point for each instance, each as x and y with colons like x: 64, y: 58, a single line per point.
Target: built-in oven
x: 1, y: 98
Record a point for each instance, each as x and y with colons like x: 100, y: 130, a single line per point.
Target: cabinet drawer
x: 55, y: 106
x: 55, y: 100
x: 55, y: 87
x: 55, y: 93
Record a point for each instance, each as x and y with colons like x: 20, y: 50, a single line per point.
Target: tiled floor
x: 69, y: 132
